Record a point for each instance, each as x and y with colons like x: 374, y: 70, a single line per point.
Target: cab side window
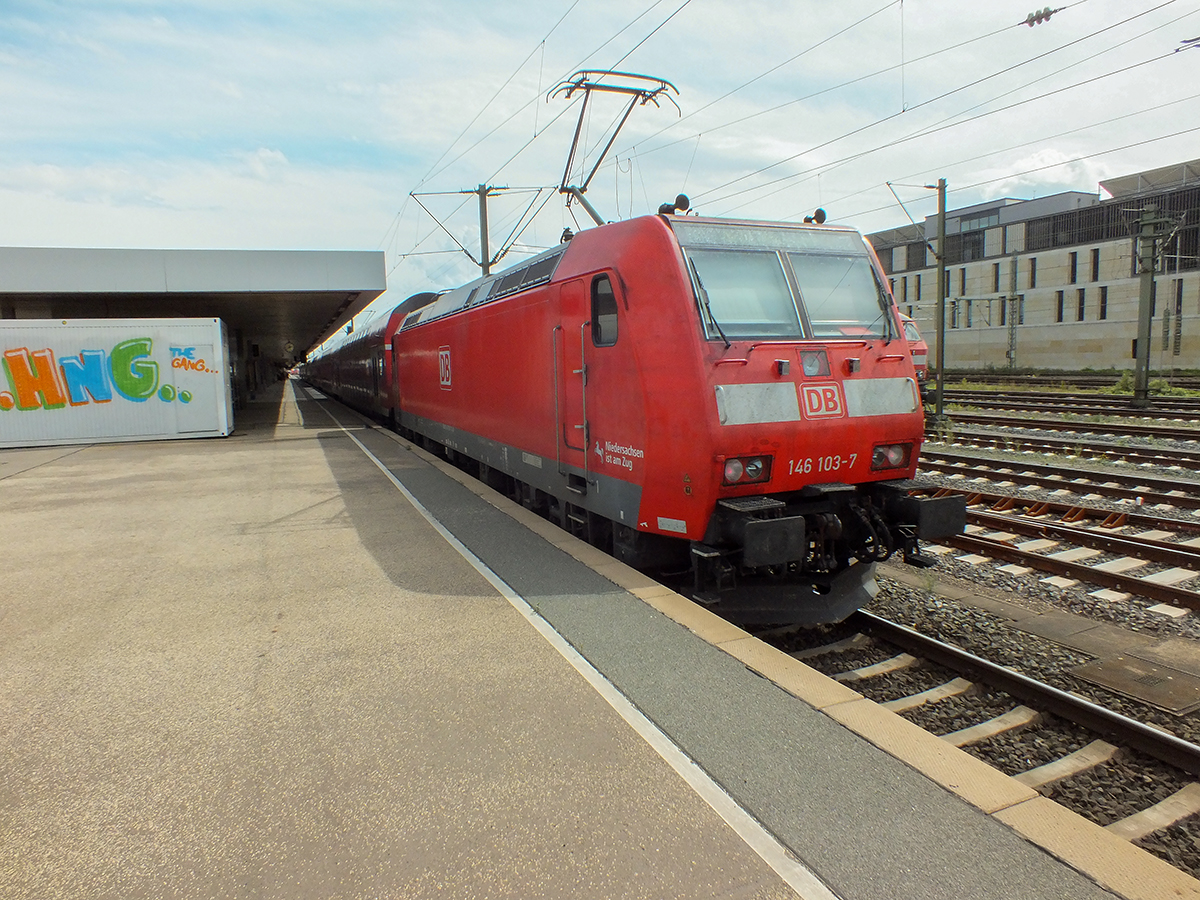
x: 604, y: 312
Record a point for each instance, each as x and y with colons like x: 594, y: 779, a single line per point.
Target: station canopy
x: 1179, y: 175
x: 282, y: 303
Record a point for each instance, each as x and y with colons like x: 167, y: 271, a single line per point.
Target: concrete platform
x: 247, y: 668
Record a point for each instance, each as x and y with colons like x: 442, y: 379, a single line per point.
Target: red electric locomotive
x: 732, y: 399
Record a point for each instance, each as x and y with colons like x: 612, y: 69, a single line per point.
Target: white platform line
x: 774, y: 854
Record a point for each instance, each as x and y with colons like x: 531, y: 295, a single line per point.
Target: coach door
x: 570, y: 382
x: 393, y: 384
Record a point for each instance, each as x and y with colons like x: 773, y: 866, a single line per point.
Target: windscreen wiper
x: 707, y: 307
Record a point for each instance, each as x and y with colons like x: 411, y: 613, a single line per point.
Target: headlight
x: 747, y: 470
x: 733, y: 471
x: 890, y: 456
x: 814, y: 362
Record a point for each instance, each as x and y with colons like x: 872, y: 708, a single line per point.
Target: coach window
x: 604, y: 312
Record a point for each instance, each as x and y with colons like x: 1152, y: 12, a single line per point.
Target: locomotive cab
x: 816, y: 417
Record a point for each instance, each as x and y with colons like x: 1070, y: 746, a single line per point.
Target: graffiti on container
x: 37, y: 381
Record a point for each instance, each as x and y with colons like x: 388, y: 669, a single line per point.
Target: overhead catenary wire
x: 499, y: 91
x: 525, y: 106
x: 949, y: 167
x: 762, y: 75
x: 948, y: 122
x: 928, y: 102
x: 640, y: 150
x: 1062, y: 162
x: 538, y: 97
x: 824, y: 167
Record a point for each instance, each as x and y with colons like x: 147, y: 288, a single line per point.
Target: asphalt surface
x: 246, y: 668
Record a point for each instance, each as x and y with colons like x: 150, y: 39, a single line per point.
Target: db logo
x: 444, y: 367
x: 821, y: 400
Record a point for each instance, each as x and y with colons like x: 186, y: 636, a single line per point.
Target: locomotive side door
x: 570, y: 380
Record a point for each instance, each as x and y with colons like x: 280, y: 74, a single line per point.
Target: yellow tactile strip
x: 1112, y: 862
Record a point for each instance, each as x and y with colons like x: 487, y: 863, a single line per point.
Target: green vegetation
x: 1060, y: 380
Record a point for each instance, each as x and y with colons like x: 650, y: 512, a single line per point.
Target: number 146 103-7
x: 820, y: 464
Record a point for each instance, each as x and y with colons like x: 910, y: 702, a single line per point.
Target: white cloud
x: 264, y: 164
x: 244, y: 123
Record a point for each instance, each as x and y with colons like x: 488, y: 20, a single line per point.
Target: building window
x: 1082, y: 305
x: 918, y: 290
x: 954, y: 314
x: 904, y: 288
x: 1073, y: 276
x: 1058, y: 306
x: 1103, y: 302
x: 914, y: 255
x: 995, y: 278
x: 1003, y: 311
x: 968, y: 312
x: 962, y: 282
x: 1021, y: 310
x: 972, y: 246
x: 1095, y: 264
x: 1033, y: 271
x: 983, y: 220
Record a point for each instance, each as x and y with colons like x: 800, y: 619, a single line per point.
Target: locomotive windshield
x: 780, y: 283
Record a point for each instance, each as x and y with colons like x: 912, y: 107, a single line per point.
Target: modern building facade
x: 1053, y: 283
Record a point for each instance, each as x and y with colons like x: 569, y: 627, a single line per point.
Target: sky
x: 359, y: 124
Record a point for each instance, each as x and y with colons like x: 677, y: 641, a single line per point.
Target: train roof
x: 530, y: 273
x: 694, y: 230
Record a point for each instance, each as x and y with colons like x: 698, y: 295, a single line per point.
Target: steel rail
x: 1122, y: 493
x: 1183, y: 381
x: 1071, y: 512
x: 1081, y: 477
x: 1150, y: 550
x: 1123, y: 730
x: 1077, y: 409
x: 1119, y: 401
x: 1159, y: 431
x: 1153, y: 455
x: 1163, y: 593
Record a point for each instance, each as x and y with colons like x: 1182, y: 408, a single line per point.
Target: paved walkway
x: 246, y: 668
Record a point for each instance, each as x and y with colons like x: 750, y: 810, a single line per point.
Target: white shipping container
x: 79, y: 381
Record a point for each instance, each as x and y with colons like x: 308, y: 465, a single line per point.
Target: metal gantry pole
x: 941, y: 297
x: 1146, y: 246
x: 1013, y: 302
x: 485, y: 256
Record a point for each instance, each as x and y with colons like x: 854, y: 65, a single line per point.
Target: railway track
x: 1130, y: 777
x: 1188, y: 382
x: 1075, y: 404
x: 1139, y: 488
x: 1063, y: 564
x: 1084, y: 429
x: 1075, y: 446
x: 1068, y: 538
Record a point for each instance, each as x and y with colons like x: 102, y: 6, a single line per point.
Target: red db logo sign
x: 821, y: 400
x: 444, y: 367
